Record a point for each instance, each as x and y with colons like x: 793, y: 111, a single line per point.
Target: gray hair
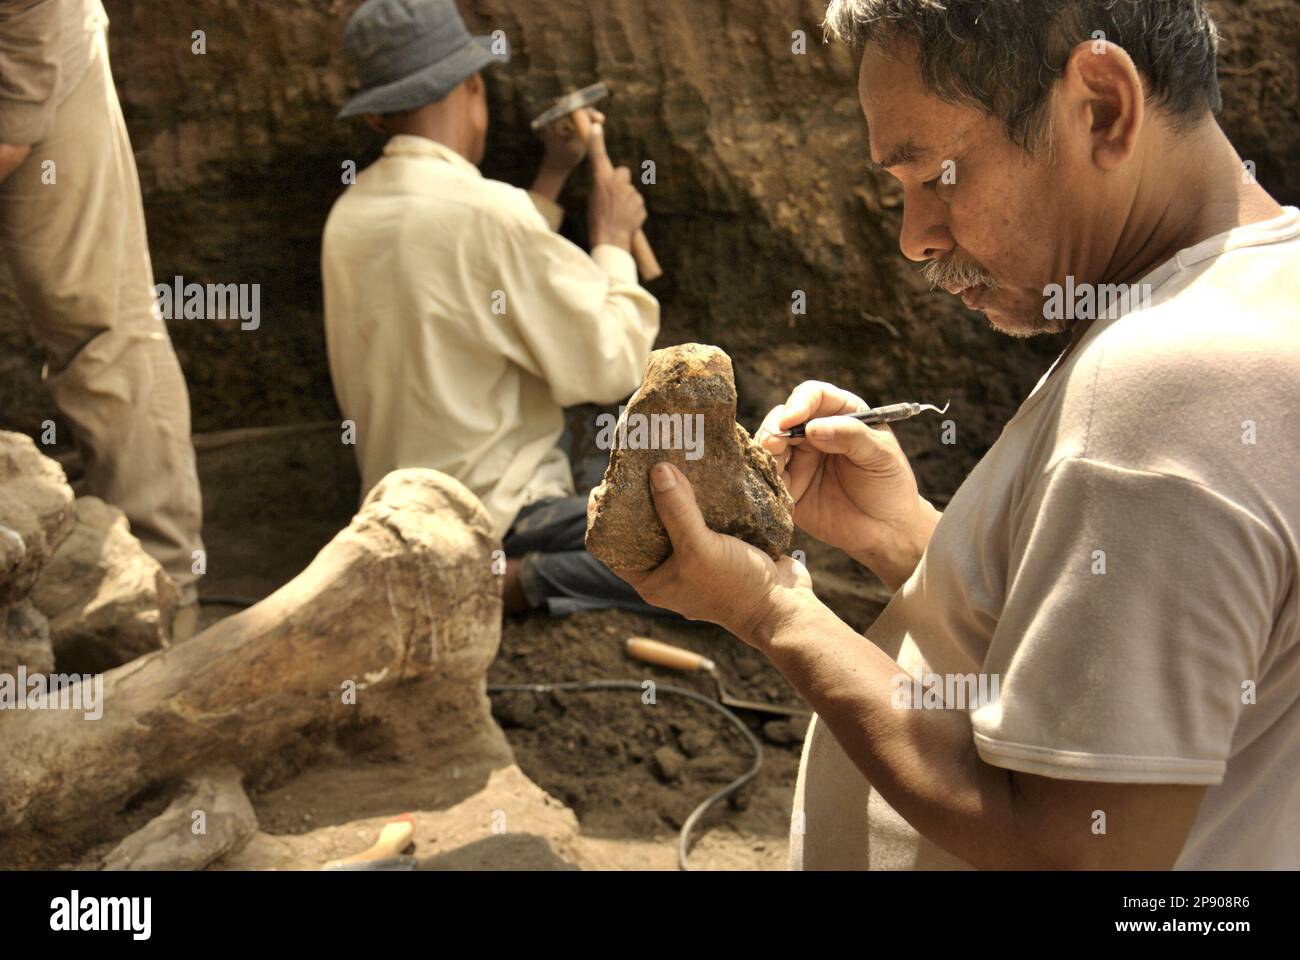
x: 1005, y: 56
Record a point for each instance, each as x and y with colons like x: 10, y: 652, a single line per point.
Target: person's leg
x: 80, y: 259
x: 555, y: 572
x: 574, y: 581
x: 513, y: 597
x: 554, y: 524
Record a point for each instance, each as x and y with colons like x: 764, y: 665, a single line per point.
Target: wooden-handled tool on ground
x: 565, y: 107
x: 675, y: 658
x: 386, y: 852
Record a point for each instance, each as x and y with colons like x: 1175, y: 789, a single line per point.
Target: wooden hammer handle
x: 666, y: 655
x: 646, y: 260
x: 393, y: 839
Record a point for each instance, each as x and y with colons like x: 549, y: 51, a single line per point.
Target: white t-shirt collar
x: 1284, y: 226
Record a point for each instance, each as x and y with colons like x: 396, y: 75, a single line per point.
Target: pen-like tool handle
x: 889, y: 414
x: 886, y: 414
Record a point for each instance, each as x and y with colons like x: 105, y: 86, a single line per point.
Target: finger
x: 582, y: 121
x: 801, y: 469
x: 862, y: 445
x: 769, y: 428
x: 675, y: 503
x: 624, y: 175
x: 771, y: 423
x: 599, y: 156
x: 812, y: 399
x: 778, y: 447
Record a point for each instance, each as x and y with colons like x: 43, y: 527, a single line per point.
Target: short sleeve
x: 1138, y: 606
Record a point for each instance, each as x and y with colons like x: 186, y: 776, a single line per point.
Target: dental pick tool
x: 887, y: 414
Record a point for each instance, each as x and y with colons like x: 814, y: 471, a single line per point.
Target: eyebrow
x: 903, y: 154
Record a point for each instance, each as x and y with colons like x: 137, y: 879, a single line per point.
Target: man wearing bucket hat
x: 458, y: 322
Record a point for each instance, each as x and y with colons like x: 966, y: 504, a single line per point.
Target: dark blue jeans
x: 557, y: 573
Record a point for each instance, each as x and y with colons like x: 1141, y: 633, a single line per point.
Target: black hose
x: 683, y: 837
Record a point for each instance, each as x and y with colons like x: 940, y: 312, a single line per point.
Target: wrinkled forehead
x: 906, y: 122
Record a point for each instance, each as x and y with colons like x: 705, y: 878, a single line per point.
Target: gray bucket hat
x: 410, y: 52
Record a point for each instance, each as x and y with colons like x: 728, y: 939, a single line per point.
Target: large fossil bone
x: 407, y: 590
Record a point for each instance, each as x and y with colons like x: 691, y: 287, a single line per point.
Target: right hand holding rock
x: 852, y: 485
x: 616, y: 210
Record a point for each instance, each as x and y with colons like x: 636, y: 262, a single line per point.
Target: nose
x: 925, y: 235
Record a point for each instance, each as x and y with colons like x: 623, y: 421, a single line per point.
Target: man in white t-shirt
x: 1092, y: 659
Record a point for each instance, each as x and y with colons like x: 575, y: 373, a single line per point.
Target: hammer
x: 566, y: 106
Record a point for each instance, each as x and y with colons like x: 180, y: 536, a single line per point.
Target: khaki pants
x: 80, y: 259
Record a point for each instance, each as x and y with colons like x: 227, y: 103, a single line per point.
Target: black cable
x: 683, y: 837
x: 242, y: 602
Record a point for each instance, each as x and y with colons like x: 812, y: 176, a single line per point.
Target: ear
x: 1103, y: 90
x: 375, y: 122
x: 474, y: 84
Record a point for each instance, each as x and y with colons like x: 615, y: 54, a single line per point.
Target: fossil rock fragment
x: 685, y: 412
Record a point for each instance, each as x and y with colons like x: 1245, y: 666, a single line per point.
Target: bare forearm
x: 923, y: 762
x: 894, y: 561
x: 550, y: 182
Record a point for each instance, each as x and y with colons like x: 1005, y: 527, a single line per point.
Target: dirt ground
x: 636, y: 771
x: 630, y: 772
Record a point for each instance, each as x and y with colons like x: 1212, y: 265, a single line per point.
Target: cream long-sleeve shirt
x: 45, y: 49
x: 459, y: 324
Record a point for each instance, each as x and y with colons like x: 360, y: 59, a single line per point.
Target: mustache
x: 951, y: 273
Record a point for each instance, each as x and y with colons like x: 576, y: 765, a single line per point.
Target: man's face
x: 478, y: 120
x: 993, y: 224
